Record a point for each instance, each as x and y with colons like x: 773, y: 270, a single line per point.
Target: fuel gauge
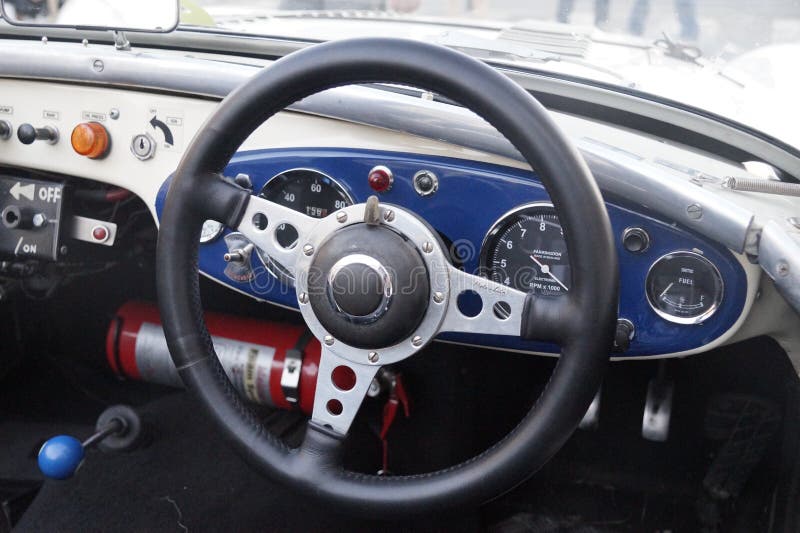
x: 684, y: 287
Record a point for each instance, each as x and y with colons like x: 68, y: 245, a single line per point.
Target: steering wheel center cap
x: 360, y: 287
x: 368, y: 286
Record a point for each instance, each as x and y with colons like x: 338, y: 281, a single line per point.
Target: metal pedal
x: 657, y: 408
x: 591, y: 420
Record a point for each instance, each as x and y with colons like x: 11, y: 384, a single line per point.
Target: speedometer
x: 526, y: 250
x: 307, y: 191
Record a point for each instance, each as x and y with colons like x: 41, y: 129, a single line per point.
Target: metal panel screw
x: 373, y: 357
x: 438, y: 297
x: 98, y: 65
x: 417, y: 341
x: 328, y: 340
x: 388, y: 215
x: 427, y: 247
x: 303, y: 298
x: 341, y: 217
x: 782, y: 269
x: 695, y: 211
x: 308, y: 249
x: 114, y: 114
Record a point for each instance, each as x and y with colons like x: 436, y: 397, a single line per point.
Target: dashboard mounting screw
x: 417, y: 341
x: 98, y: 65
x: 427, y: 247
x: 328, y: 340
x: 373, y: 357
x: 695, y: 211
x: 114, y: 113
x: 308, y: 250
x: 438, y: 297
x: 85, y: 42
x: 303, y: 298
x: 341, y: 217
x: 388, y: 215
x: 782, y: 269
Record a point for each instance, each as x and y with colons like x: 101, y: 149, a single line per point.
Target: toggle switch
x: 5, y: 130
x: 27, y: 134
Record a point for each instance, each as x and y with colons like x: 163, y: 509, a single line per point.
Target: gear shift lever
x: 118, y: 429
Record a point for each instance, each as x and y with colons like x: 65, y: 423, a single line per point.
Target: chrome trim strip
x: 779, y: 257
x: 637, y: 181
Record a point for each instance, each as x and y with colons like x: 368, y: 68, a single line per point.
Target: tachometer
x: 684, y: 287
x: 308, y: 191
x: 526, y: 250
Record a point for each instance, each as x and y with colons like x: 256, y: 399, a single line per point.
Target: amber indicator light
x: 91, y: 140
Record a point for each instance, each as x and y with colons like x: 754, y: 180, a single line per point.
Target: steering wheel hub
x: 368, y: 286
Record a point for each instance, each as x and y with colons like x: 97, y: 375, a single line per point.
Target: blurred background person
x: 601, y: 7
x: 687, y: 17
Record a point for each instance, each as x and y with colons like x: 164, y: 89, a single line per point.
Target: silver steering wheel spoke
x: 501, y: 310
x: 341, y: 388
x: 260, y: 221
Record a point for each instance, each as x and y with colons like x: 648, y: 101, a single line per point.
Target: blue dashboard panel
x: 472, y: 196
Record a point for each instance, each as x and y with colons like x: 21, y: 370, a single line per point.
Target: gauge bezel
x: 699, y: 319
x: 268, y: 261
x: 483, y: 268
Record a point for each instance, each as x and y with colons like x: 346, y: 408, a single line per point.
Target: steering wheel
x: 401, y: 288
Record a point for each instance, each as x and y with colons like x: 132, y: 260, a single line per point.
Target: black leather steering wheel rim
x: 583, y: 322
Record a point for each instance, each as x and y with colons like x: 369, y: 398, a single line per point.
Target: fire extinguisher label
x: 247, y: 365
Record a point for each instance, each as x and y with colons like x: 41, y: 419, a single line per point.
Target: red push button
x: 380, y: 179
x: 100, y: 233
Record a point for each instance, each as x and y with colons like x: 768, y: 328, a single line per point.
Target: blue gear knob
x: 60, y: 457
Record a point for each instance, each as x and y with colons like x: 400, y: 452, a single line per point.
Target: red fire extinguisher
x: 268, y: 362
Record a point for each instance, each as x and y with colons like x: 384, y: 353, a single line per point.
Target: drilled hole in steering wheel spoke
x: 260, y: 221
x: 470, y: 303
x: 502, y: 310
x: 286, y: 236
x: 343, y: 378
x: 334, y: 407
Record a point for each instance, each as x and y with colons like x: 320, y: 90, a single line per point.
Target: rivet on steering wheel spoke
x: 341, y: 217
x: 373, y: 357
x: 328, y: 340
x: 438, y: 297
x: 308, y: 250
x: 416, y: 341
x: 427, y: 247
x: 303, y: 298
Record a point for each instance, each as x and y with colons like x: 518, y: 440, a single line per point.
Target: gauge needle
x: 661, y: 296
x: 546, y: 270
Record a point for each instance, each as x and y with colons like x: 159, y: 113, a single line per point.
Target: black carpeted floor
x: 187, y: 479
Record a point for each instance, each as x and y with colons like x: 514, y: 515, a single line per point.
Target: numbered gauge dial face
x: 307, y: 191
x: 526, y: 250
x: 684, y: 287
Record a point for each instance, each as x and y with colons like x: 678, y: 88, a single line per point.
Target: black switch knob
x: 635, y: 240
x: 5, y: 129
x: 624, y: 335
x: 27, y: 134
